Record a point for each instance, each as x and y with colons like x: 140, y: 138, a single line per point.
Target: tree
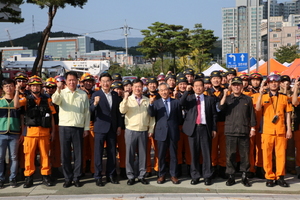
x: 52, y: 6
x: 202, y: 42
x: 287, y: 53
x: 11, y: 14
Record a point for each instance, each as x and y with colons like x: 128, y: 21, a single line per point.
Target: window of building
x: 275, y: 35
x: 288, y: 44
x: 289, y: 35
x: 275, y: 45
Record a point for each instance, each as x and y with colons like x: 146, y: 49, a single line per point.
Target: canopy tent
x: 214, y: 67
x: 274, y: 66
x: 287, y: 64
x: 293, y: 70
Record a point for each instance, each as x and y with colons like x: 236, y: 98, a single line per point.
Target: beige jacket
x: 136, y: 116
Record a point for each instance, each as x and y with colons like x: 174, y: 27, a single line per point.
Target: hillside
x: 132, y: 42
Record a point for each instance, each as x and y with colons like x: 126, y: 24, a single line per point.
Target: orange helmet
x: 50, y: 82
x: 35, y: 80
x: 244, y: 76
x: 87, y: 76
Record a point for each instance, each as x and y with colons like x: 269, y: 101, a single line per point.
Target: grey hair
x: 166, y: 84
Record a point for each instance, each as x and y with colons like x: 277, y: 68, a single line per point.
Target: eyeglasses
x: 8, y: 86
x: 23, y: 81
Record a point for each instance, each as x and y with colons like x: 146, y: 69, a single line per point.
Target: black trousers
x: 200, y: 142
x: 71, y: 137
x: 232, y: 143
x: 110, y: 139
x: 163, y: 147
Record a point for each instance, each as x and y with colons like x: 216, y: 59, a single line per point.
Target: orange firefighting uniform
x: 37, y: 137
x: 255, y: 153
x: 274, y: 134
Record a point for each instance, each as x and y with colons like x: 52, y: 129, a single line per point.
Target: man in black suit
x: 200, y: 126
x: 107, y: 125
x: 168, y: 115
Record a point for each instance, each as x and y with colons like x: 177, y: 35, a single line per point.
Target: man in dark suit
x: 168, y: 115
x: 107, y: 125
x: 200, y: 126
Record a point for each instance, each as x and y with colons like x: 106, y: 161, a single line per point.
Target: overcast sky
x: 99, y: 15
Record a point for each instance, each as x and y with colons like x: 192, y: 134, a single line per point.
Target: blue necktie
x: 167, y: 107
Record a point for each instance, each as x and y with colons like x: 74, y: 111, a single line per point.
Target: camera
x: 275, y: 119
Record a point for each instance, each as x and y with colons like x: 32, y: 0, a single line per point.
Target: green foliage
x: 59, y: 3
x: 202, y: 42
x: 13, y: 15
x: 286, y: 53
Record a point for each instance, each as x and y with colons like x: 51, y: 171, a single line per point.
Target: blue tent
x: 252, y: 61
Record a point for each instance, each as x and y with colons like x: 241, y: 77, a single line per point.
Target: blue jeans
x: 10, y: 141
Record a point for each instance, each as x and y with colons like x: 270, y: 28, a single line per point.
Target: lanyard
x: 275, y: 108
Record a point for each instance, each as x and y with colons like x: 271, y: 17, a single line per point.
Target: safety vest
x: 9, y: 117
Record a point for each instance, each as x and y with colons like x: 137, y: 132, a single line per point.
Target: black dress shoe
x: 270, y: 183
x: 260, y: 173
x: 230, y: 181
x: 112, y: 179
x: 143, y: 181
x: 67, y: 184
x: 245, y: 180
x: 207, y: 181
x: 47, y: 181
x: 130, y: 181
x: 281, y: 182
x: 123, y: 173
x: 148, y: 174
x: 194, y: 181
x: 250, y: 175
x: 28, y: 182
x: 77, y: 183
x: 99, y: 182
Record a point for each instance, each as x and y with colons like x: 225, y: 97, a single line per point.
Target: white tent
x: 287, y: 64
x: 214, y: 67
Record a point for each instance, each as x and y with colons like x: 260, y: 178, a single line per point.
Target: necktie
x: 167, y: 107
x: 198, y: 119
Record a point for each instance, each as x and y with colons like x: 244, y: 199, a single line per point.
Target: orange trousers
x: 88, y: 150
x: 55, y: 153
x: 121, y: 149
x: 279, y: 143
x: 255, y: 153
x: 30, y: 146
x: 151, y: 144
x: 218, y: 151
x: 183, y: 149
x: 297, y: 145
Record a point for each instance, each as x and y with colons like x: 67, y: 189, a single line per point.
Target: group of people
x: 216, y: 125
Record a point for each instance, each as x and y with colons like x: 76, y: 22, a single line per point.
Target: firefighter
x: 276, y: 130
x: 88, y: 83
x: 39, y: 119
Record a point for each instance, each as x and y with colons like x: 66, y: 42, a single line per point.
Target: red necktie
x: 198, y: 119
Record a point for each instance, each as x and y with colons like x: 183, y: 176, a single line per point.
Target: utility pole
x: 268, y: 32
x: 9, y: 37
x: 33, y: 29
x: 257, y: 34
x: 126, y: 30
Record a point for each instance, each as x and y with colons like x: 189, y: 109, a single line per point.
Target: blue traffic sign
x: 237, y: 60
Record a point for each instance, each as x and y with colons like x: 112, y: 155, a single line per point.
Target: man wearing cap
x: 55, y: 160
x: 119, y: 88
x: 38, y: 121
x: 183, y: 152
x: 190, y: 75
x: 207, y: 83
x: 107, y: 125
x: 88, y: 83
x: 116, y: 77
x: 171, y: 81
x: 276, y: 110
x: 200, y: 126
x: 152, y: 85
x: 231, y: 73
x: 218, y: 152
x: 239, y: 126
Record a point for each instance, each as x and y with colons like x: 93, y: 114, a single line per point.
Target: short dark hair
x: 105, y: 75
x: 71, y: 73
x: 197, y: 80
x: 137, y: 81
x: 8, y: 81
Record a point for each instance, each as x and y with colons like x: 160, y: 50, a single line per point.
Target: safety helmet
x: 256, y: 75
x: 244, y: 76
x: 35, y: 80
x: 60, y: 79
x: 273, y: 77
x: 161, y: 77
x: 21, y: 75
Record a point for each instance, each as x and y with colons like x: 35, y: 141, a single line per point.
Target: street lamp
x: 232, y: 40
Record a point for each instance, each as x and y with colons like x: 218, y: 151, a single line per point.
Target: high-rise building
x: 69, y: 47
x: 239, y: 27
